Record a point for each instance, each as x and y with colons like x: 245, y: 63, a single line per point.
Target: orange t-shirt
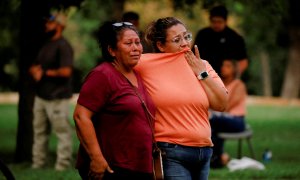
x: 182, y: 104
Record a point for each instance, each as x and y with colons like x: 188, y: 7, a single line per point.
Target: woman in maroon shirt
x: 114, y: 132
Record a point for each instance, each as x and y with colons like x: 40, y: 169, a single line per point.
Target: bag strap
x: 149, y: 115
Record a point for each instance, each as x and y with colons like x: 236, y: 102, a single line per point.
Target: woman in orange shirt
x: 183, y: 87
x: 232, y: 119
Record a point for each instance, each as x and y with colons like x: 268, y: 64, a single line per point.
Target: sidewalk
x: 12, y: 98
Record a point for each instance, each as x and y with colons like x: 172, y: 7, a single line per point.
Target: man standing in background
x: 52, y: 72
x: 219, y: 42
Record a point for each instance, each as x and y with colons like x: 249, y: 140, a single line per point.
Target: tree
x: 31, y: 33
x: 291, y: 86
x: 9, y: 34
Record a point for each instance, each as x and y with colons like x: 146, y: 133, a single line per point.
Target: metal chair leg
x: 239, y: 148
x: 250, y: 148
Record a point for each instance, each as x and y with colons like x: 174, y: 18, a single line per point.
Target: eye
x: 128, y: 43
x: 138, y: 42
x: 176, y: 40
x: 188, y: 37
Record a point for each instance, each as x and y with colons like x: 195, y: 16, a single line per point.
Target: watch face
x: 204, y: 75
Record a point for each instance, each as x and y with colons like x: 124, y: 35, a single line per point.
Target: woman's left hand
x: 195, y: 61
x: 217, y: 95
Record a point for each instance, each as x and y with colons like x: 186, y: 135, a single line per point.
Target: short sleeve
x: 240, y: 48
x: 66, y: 54
x: 95, y: 91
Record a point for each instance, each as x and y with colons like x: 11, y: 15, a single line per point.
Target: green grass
x: 8, y: 129
x: 276, y: 128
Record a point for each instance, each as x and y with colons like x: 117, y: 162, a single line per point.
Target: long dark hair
x: 108, y: 36
x: 157, y: 30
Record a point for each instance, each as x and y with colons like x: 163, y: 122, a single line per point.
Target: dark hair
x: 108, y: 36
x: 234, y: 63
x: 129, y: 16
x: 219, y: 11
x: 157, y: 30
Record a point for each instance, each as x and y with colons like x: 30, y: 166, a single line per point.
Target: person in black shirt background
x: 219, y: 42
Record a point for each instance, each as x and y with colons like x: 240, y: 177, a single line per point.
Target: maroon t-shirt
x: 120, y: 121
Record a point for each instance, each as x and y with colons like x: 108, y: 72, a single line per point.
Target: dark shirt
x: 218, y: 46
x: 121, y: 126
x: 54, y: 55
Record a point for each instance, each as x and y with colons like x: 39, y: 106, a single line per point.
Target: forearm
x: 87, y: 136
x: 61, y: 72
x: 243, y: 65
x: 217, y: 95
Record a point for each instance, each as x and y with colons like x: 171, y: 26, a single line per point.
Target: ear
x: 111, y: 51
x: 160, y: 46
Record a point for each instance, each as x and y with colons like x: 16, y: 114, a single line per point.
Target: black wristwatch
x: 202, y: 75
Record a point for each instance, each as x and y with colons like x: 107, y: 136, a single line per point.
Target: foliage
x: 9, y: 31
x: 261, y: 30
x: 275, y: 127
x: 81, y: 32
x: 259, y: 21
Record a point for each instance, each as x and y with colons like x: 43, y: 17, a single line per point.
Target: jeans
x: 222, y: 122
x: 184, y: 162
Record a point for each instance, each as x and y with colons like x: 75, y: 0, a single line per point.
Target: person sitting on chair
x: 232, y: 119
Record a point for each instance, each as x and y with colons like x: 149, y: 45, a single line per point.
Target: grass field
x: 275, y: 127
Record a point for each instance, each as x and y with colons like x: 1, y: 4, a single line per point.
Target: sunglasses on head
x: 120, y: 24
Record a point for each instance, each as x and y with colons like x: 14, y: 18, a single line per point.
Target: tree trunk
x: 32, y: 26
x: 291, y: 86
x: 31, y: 39
x: 267, y: 84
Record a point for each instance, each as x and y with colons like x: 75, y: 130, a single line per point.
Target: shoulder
x: 239, y: 84
x: 204, y: 31
x: 100, y: 72
x: 104, y: 68
x: 232, y: 33
x: 62, y: 42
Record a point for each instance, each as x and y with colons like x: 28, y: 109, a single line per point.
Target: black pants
x: 119, y: 174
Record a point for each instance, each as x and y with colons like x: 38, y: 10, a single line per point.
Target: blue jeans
x: 224, y: 123
x: 184, y: 162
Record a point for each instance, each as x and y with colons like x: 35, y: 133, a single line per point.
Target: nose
x: 184, y: 42
x: 136, y: 46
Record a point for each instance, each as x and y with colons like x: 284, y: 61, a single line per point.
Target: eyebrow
x: 185, y: 32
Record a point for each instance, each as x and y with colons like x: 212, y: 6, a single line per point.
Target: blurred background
x: 271, y: 30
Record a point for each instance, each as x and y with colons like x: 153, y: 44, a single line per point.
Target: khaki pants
x: 51, y: 114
